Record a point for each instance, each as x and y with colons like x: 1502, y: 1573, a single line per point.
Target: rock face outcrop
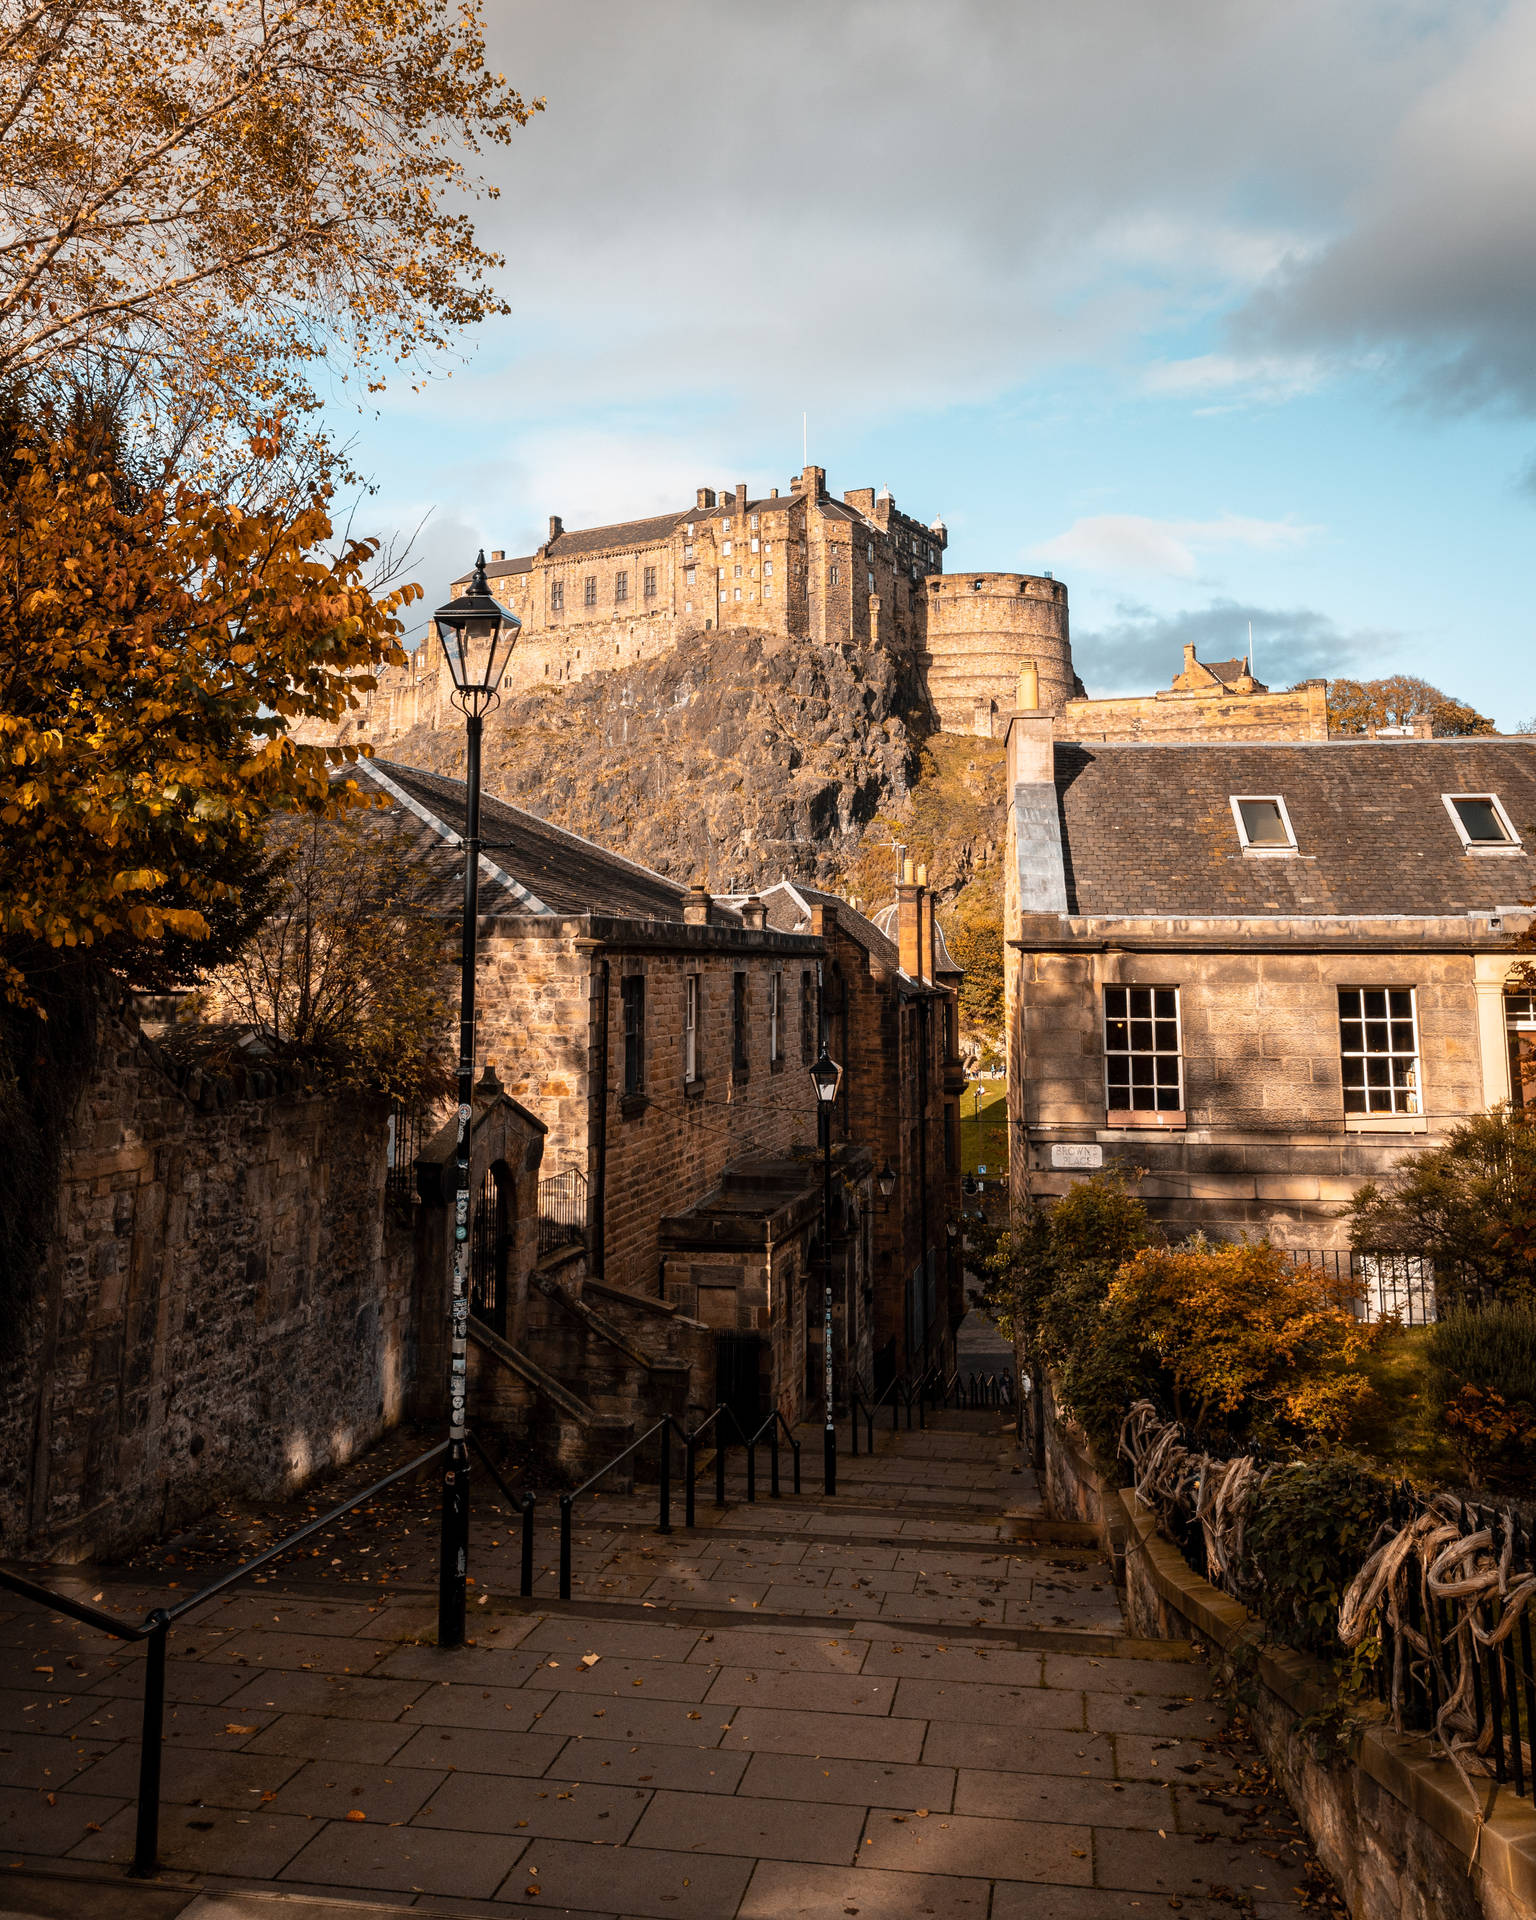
x: 740, y: 757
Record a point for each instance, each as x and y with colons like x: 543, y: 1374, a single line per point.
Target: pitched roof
x: 623, y: 533
x: 1147, y: 829
x: 560, y: 870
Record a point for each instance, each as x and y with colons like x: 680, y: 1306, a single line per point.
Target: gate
x: 489, y: 1246
x: 739, y: 1377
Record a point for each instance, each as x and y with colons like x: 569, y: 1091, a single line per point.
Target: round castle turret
x: 981, y: 629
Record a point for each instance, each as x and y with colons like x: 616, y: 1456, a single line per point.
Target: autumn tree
x: 1399, y: 700
x: 346, y: 971
x: 204, y: 196
x: 156, y: 644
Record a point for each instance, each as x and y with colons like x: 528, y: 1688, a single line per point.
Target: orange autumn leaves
x: 155, y: 645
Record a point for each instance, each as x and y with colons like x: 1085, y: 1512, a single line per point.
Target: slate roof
x: 564, y: 871
x: 1148, y: 829
x: 943, y: 960
x: 789, y: 911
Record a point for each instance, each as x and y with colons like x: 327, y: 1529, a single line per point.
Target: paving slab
x: 991, y: 1849
x: 783, y: 1890
x: 843, y: 1736
x: 650, y: 1883
x: 758, y: 1828
x: 405, y: 1859
x: 853, y: 1783
x: 650, y: 1764
x: 547, y: 1808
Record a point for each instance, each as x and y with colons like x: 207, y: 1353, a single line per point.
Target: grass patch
x: 984, y: 1137
x: 1401, y: 1428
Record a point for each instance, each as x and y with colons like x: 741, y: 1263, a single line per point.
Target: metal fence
x: 1383, y: 1283
x: 407, y: 1133
x: 1438, y: 1639
x: 562, y: 1209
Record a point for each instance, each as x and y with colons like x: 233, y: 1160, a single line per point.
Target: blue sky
x: 1221, y: 312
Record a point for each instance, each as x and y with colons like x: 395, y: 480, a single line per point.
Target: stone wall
x: 226, y: 1308
x: 1300, y: 714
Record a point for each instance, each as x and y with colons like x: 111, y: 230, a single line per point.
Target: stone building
x: 892, y: 1014
x: 853, y: 571
x: 1260, y: 970
x: 662, y: 1039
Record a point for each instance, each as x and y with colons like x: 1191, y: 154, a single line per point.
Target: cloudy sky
x: 1223, y: 312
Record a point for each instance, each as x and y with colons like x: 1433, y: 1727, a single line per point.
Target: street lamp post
x: 826, y: 1078
x: 477, y: 636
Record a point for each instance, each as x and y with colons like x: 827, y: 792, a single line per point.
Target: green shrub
x: 1311, y: 1526
x: 1485, y: 1369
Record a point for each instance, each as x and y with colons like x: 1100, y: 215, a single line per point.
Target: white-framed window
x: 833, y: 576
x: 687, y: 556
x: 869, y: 549
x: 1379, y: 1050
x: 726, y: 547
x: 688, y: 575
x: 871, y: 583
x: 725, y: 526
x: 736, y: 573
x: 767, y: 569
x: 738, y: 593
x: 1143, y: 1050
x: 690, y: 1027
x: 687, y: 606
x: 1263, y: 823
x: 775, y: 990
x: 754, y: 523
x: 754, y: 546
x: 1482, y: 823
x: 767, y: 593
x: 688, y: 531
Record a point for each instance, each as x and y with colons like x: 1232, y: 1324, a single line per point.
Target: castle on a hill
x: 851, y: 572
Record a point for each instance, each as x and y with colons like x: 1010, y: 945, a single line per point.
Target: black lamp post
x: 826, y: 1078
x: 478, y: 636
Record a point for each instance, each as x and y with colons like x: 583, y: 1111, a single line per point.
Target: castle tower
x: 981, y: 631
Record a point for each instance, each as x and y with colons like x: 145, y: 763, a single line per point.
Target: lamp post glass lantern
x: 826, y: 1078
x: 477, y: 637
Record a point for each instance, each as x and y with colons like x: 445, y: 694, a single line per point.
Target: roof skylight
x: 1263, y: 825
x: 1482, y: 823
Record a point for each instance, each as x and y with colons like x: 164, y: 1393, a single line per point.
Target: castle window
x: 650, y: 583
x: 754, y: 546
x: 871, y: 583
x: 688, y: 531
x: 754, y: 523
x: 687, y: 606
x: 621, y: 585
x: 739, y: 1064
x: 976, y: 586
x: 687, y: 555
x: 688, y: 577
x: 1263, y: 825
x: 1142, y: 1056
x: 834, y: 577
x: 869, y: 549
x: 589, y: 590
x: 1482, y: 823
x: 736, y: 573
x: 738, y: 593
x: 767, y: 593
x: 727, y: 547
x: 775, y: 992
x: 725, y: 524
x: 1379, y: 1050
x: 557, y: 596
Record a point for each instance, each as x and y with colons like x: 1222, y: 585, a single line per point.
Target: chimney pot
x: 754, y: 914
x: 696, y: 905
x: 1029, y: 687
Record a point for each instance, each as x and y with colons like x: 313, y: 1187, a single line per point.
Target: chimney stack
x: 909, y: 922
x: 706, y: 499
x: 813, y: 482
x: 925, y: 947
x: 754, y: 915
x: 498, y: 553
x: 696, y: 905
x: 556, y: 526
x: 741, y: 499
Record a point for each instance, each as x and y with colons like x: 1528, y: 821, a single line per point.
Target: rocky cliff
x: 741, y: 759
x: 745, y: 759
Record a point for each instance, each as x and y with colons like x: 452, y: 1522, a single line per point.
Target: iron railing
x: 154, y: 1629
x: 562, y: 1209
x: 1452, y: 1633
x: 1382, y: 1284
x: 407, y: 1132
x: 662, y: 1432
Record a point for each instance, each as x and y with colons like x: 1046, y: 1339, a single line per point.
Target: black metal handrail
x: 666, y: 1426
x: 155, y: 1628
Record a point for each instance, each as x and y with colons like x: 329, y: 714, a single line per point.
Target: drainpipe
x: 599, y: 1199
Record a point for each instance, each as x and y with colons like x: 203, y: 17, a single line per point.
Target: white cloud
x: 1135, y: 544
x: 1234, y: 378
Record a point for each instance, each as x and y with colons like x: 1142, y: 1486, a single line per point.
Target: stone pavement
x: 915, y: 1700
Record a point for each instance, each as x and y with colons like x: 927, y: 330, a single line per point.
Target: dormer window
x: 1482, y: 823
x: 1263, y: 825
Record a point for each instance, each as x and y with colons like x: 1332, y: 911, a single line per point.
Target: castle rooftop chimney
x: 925, y: 940
x: 754, y: 915
x: 813, y: 482
x: 696, y: 905
x: 498, y: 553
x: 741, y: 499
x: 556, y: 526
x: 706, y: 499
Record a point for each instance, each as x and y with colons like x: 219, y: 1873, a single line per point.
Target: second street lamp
x: 478, y: 636
x: 826, y: 1078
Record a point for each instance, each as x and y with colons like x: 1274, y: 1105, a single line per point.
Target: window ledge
x: 694, y: 1089
x: 1386, y: 1123
x: 1269, y: 853
x: 740, y: 1076
x: 631, y: 1105
x: 776, y: 1066
x: 1136, y: 1117
x: 1497, y: 853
